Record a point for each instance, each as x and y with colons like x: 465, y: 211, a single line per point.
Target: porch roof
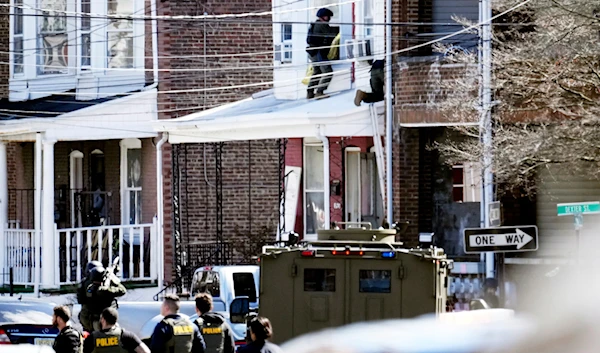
x: 265, y: 117
x: 65, y: 119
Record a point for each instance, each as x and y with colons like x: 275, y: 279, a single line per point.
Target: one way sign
x: 501, y: 239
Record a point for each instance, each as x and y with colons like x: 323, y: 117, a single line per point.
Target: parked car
x: 26, y: 321
x: 228, y: 282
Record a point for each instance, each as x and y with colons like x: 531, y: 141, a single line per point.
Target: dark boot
x: 321, y: 95
x: 310, y: 94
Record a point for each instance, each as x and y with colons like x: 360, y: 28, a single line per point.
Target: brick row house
x: 77, y: 144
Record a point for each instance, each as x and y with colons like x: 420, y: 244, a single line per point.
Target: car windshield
x: 26, y: 313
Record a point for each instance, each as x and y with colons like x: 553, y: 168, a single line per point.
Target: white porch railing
x: 136, y: 246
x: 19, y: 245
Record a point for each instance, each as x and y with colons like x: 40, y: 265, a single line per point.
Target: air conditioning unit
x: 283, y: 52
x: 359, y: 49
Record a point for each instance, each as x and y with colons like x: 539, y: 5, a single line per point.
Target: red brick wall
x: 250, y: 171
x: 4, y: 43
x: 294, y: 156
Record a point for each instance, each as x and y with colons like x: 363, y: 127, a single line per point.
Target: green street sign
x: 570, y: 209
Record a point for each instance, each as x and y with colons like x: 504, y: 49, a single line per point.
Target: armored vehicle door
x: 319, y: 299
x: 375, y: 289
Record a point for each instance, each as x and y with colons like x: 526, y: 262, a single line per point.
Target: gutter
x: 159, y: 208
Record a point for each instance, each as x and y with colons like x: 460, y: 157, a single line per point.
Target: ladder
x: 379, y: 155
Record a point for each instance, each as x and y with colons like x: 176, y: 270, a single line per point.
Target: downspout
x: 154, y: 47
x: 388, y: 111
x: 37, y: 212
x: 159, y: 208
x: 327, y: 196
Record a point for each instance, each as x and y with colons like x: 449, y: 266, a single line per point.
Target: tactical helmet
x: 91, y: 265
x: 97, y: 273
x: 324, y: 12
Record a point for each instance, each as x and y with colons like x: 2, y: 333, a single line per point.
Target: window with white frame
x: 53, y: 54
x: 120, y: 35
x: 17, y: 41
x: 314, y: 190
x: 368, y: 17
x: 59, y: 43
x: 286, y: 43
x: 466, y: 183
x: 131, y: 181
x: 363, y: 202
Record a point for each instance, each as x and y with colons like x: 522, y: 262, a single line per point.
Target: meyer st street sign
x: 501, y: 239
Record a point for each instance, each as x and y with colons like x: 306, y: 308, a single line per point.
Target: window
x: 314, y: 190
x: 207, y: 281
x: 243, y: 285
x: 319, y: 280
x: 362, y: 200
x: 458, y: 183
x: 131, y: 182
x: 466, y: 183
x: 85, y: 24
x: 52, y: 38
x: 368, y: 17
x: 286, y: 43
x: 375, y: 281
x: 18, y: 38
x: 54, y: 42
x: 120, y: 35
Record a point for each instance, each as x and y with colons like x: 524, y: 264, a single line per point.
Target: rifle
x: 110, y: 274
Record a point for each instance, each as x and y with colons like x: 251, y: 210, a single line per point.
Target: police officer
x: 175, y: 333
x: 260, y: 333
x: 100, y: 294
x: 319, y: 39
x: 112, y: 338
x: 68, y: 339
x: 82, y: 298
x: 213, y: 327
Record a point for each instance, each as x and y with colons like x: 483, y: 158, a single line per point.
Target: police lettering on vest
x: 109, y: 341
x: 183, y: 335
x: 213, y: 336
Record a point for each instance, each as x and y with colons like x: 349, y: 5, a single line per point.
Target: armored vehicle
x: 349, y: 275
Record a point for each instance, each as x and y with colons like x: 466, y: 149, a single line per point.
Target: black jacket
x: 320, y: 34
x: 67, y: 341
x: 260, y: 347
x: 216, y: 333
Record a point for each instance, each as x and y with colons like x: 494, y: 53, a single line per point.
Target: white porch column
x: 326, y: 176
x: 3, y: 206
x: 49, y: 263
x: 37, y: 212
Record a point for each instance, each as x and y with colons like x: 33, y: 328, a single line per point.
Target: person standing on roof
x: 319, y: 39
x: 213, y: 327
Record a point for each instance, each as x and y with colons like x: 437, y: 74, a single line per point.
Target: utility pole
x: 389, y: 114
x: 487, y: 196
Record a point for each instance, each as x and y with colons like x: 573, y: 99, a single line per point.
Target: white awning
x: 127, y: 117
x: 265, y: 117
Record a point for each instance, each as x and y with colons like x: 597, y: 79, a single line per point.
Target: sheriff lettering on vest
x: 112, y: 338
x: 175, y: 333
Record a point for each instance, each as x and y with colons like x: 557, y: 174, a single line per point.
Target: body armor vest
x: 183, y: 335
x: 109, y: 341
x: 213, y: 334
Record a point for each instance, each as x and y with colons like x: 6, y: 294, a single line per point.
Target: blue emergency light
x: 388, y: 254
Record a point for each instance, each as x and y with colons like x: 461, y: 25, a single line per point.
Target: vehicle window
x: 244, y: 286
x: 209, y: 283
x: 375, y: 281
x: 319, y: 280
x: 26, y: 313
